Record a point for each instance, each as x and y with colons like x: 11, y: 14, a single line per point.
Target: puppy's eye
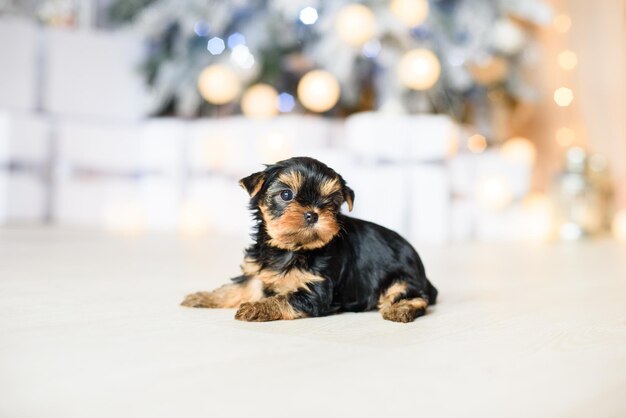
x: 286, y: 195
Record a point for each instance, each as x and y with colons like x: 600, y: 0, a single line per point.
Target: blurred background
x: 453, y: 120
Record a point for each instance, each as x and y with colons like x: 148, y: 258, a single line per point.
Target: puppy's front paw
x: 400, y: 315
x: 405, y: 310
x: 199, y: 300
x: 258, y: 312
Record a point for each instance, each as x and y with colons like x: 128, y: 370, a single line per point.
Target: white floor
x: 90, y: 327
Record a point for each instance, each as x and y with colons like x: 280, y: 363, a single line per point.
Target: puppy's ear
x: 348, y: 196
x: 253, y: 183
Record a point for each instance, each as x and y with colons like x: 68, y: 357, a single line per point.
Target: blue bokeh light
x: 201, y: 28
x: 236, y: 39
x: 215, y: 46
x: 286, y: 102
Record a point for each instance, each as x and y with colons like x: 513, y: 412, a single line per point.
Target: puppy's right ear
x: 253, y: 183
x: 348, y: 196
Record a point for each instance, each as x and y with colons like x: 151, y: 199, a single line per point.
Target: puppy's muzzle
x: 311, y: 218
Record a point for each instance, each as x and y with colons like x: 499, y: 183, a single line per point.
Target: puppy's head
x: 298, y: 201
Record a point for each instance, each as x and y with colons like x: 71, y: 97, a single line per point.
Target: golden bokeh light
x: 218, y: 84
x: 419, y: 69
x: 318, y: 91
x: 618, y: 226
x: 476, y: 143
x: 494, y: 193
x: 539, y: 218
x: 567, y: 60
x: 355, y: 24
x: 565, y: 136
x: 562, y: 23
x: 563, y: 96
x: 260, y: 101
x: 519, y: 150
x: 410, y: 12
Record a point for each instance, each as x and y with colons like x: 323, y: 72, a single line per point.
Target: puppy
x: 310, y: 260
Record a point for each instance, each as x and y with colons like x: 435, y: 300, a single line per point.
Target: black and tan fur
x: 309, y: 260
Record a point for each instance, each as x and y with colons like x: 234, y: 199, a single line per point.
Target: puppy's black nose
x: 310, y: 217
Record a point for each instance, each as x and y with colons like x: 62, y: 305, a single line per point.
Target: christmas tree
x: 459, y: 57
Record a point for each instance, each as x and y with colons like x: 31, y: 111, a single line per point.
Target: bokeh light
x: 567, y: 60
x: 562, y: 23
x: 494, y: 193
x: 565, y: 136
x: 218, y: 84
x: 519, y: 150
x: 476, y: 143
x: 355, y: 24
x: 618, y: 226
x: 260, y: 101
x: 539, y: 216
x: 216, y: 46
x: 410, y: 12
x: 242, y: 57
x: 236, y: 39
x: 201, y: 28
x: 419, y: 69
x: 286, y: 102
x: 308, y: 15
x: 563, y: 96
x: 372, y: 48
x: 318, y: 90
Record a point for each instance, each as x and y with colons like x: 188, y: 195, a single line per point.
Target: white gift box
x: 337, y: 159
x: 381, y: 195
x: 24, y: 159
x: 429, y: 203
x: 22, y: 198
x: 222, y: 145
x: 24, y: 137
x: 238, y: 146
x: 468, y: 171
x: 19, y: 41
x: 378, y: 136
x: 500, y: 226
x: 156, y: 145
x: 412, y: 200
x: 463, y: 215
x: 463, y: 173
x: 117, y: 204
x: 486, y: 188
x: 120, y: 176
x: 221, y: 205
x: 92, y: 73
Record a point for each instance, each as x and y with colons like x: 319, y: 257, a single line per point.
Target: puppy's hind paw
x: 199, y: 300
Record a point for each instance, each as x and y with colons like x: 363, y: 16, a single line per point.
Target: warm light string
x: 563, y: 96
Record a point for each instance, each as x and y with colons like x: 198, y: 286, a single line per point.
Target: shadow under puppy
x: 310, y: 260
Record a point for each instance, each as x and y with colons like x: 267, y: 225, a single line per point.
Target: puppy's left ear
x: 348, y: 196
x: 253, y: 183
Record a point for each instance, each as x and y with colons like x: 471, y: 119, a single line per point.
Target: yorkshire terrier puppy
x: 309, y: 260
